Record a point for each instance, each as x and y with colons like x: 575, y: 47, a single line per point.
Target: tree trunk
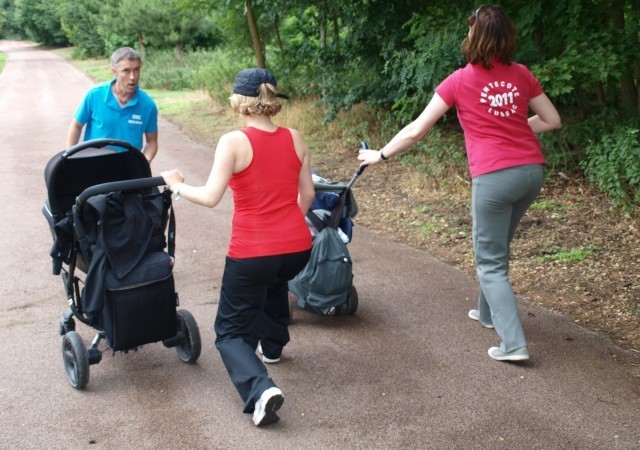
x: 278, y: 37
x: 600, y: 94
x: 141, y: 45
x: 583, y: 110
x: 538, y: 37
x: 255, y: 37
x: 635, y: 8
x: 322, y: 22
x: 336, y: 32
x: 323, y: 36
x: 628, y: 89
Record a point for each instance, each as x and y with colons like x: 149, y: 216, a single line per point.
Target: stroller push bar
x: 128, y: 185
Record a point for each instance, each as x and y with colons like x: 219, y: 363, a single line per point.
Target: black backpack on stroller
x: 325, y: 284
x: 129, y: 290
x: 109, y: 221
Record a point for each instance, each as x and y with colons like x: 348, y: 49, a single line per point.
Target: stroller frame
x: 73, y: 177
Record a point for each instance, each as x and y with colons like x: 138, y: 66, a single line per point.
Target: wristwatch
x: 176, y: 190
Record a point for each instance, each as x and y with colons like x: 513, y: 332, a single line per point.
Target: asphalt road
x: 409, y: 370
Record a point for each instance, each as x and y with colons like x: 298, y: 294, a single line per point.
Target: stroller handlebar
x: 127, y: 185
x: 363, y: 145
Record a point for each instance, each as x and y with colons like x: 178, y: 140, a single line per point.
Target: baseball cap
x: 248, y: 81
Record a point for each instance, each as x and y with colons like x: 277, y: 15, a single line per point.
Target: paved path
x: 409, y: 370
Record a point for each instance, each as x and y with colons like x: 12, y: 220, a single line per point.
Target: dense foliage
x: 387, y: 54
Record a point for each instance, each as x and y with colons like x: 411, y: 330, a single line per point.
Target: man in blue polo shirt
x: 119, y: 109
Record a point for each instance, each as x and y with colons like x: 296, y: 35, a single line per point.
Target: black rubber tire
x: 352, y: 302
x: 76, y: 362
x: 189, y: 350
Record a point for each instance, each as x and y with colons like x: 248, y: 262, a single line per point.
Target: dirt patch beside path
x: 573, y: 253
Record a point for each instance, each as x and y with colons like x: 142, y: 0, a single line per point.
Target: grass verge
x: 3, y: 60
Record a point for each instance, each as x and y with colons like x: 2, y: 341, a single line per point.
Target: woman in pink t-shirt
x: 492, y: 95
x: 269, y: 170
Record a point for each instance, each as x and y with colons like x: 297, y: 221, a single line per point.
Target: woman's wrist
x: 383, y: 156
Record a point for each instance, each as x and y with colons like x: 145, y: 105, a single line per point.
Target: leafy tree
x: 80, y: 20
x: 167, y: 24
x: 6, y: 13
x: 39, y: 20
x: 584, y: 52
x: 389, y: 54
x: 415, y: 71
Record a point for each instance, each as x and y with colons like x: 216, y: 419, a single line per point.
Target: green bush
x: 212, y: 70
x: 216, y: 69
x: 3, y: 59
x: 564, y: 149
x: 440, y: 155
x: 613, y: 164
x: 416, y: 72
x: 162, y: 70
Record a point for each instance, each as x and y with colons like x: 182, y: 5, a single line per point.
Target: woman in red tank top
x: 269, y: 171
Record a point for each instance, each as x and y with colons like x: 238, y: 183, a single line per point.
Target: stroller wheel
x: 352, y: 302
x: 189, y: 349
x: 76, y: 362
x: 291, y: 299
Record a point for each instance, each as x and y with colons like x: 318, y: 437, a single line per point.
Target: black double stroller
x: 114, y: 242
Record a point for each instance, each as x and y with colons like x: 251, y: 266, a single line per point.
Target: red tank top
x: 267, y: 219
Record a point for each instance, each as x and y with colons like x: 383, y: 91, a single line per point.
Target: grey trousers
x: 499, y: 201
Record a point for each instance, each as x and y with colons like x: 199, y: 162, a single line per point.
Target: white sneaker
x: 475, y: 315
x: 270, y: 401
x: 265, y: 359
x: 520, y: 354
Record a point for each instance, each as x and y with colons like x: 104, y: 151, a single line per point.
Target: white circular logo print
x: 499, y: 96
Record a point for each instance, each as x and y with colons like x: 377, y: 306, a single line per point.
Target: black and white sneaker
x: 265, y: 358
x: 270, y: 401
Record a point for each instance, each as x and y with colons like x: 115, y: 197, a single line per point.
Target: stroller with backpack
x: 109, y: 220
x: 325, y: 284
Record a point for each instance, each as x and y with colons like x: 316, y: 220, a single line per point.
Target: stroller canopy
x: 70, y: 172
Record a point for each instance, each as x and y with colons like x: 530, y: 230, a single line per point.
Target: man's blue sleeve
x: 152, y: 125
x: 83, y: 113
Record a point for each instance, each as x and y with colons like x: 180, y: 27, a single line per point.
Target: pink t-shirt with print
x: 493, y: 108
